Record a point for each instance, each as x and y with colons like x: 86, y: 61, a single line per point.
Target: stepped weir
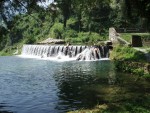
x: 78, y: 52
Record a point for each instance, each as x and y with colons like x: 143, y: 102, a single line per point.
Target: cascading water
x: 70, y: 52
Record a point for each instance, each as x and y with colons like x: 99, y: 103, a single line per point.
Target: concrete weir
x: 78, y: 52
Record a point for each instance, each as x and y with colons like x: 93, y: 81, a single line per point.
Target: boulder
x: 115, y: 38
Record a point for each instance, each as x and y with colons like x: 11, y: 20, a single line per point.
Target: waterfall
x: 73, y: 51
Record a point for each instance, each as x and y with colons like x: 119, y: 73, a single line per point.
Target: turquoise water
x: 40, y: 86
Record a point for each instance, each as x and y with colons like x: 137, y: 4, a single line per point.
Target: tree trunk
x: 65, y: 22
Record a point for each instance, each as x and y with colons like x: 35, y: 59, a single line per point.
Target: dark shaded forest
x: 75, y: 21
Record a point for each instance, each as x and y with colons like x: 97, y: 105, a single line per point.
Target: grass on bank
x: 145, y: 38
x: 10, y: 50
x: 115, y: 98
x: 127, y: 54
x: 114, y: 108
x: 129, y: 60
x: 128, y: 36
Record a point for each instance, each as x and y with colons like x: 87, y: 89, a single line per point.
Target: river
x: 43, y: 86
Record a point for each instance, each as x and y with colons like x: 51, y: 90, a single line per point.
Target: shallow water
x: 42, y: 86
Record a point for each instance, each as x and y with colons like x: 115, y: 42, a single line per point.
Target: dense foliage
x: 77, y: 21
x: 129, y: 60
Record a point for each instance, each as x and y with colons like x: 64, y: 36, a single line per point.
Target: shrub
x: 138, y: 71
x: 74, y: 40
x: 84, y: 36
x: 30, y: 40
x: 72, y: 23
x: 95, y: 37
x: 70, y: 34
x: 128, y: 53
x: 147, y: 76
x: 57, y: 30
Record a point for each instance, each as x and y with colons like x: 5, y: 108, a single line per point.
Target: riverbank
x: 137, y: 68
x: 129, y: 97
x: 126, y: 60
x: 130, y: 60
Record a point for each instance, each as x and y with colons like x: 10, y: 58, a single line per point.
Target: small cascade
x: 91, y: 53
x: 72, y: 51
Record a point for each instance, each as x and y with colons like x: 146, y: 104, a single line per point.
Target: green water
x: 40, y: 86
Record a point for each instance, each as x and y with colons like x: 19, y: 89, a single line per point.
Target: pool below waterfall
x: 43, y: 86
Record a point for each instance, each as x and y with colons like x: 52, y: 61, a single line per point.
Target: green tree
x: 65, y: 7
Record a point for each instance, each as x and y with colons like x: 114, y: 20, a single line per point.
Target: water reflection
x: 74, y: 78
x: 43, y: 86
x: 112, y: 77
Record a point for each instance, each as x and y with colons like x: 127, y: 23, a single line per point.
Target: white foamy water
x: 65, y: 53
x: 57, y: 58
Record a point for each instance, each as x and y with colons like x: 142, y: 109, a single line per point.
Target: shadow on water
x: 44, y: 86
x: 85, y: 86
x: 127, y: 94
x: 2, y: 108
x: 73, y: 79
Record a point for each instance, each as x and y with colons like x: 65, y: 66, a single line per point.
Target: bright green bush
x: 147, y: 76
x: 84, y: 36
x: 126, y: 36
x: 9, y: 50
x: 57, y: 30
x: 70, y: 34
x: 29, y: 40
x: 74, y: 40
x: 72, y: 23
x: 128, y: 53
x: 90, y: 37
x: 138, y: 71
x: 95, y: 37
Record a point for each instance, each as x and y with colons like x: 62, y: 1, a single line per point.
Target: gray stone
x: 51, y: 40
x: 115, y: 38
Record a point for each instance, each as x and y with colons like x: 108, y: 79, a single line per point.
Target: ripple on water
x: 40, y: 86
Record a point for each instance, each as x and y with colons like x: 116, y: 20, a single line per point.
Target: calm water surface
x: 40, y: 86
